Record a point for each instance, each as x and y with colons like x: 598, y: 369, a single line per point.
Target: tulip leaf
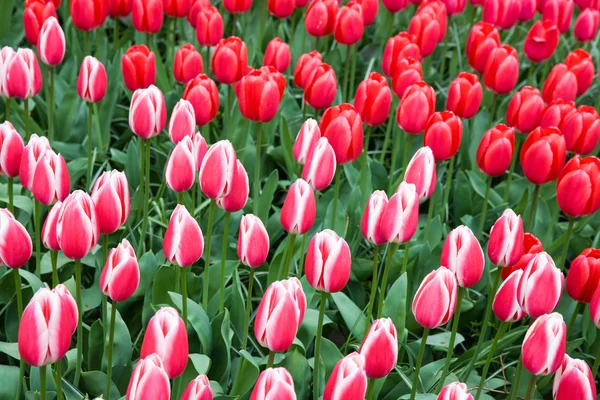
x: 10, y: 349
x: 198, y: 320
x: 122, y: 346
x: 221, y: 349
x: 95, y: 346
x: 94, y: 383
x: 355, y: 320
x: 201, y: 363
x: 286, y: 144
x: 299, y: 368
x: 395, y: 304
x: 266, y: 197
x: 246, y: 375
x: 9, y: 376
x: 238, y: 305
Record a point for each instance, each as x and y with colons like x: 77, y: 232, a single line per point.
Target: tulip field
x: 299, y: 199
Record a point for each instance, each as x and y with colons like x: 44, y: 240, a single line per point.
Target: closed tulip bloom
x: 394, y: 6
x: 586, y: 25
x: 581, y: 129
x: 320, y: 166
x: 455, y: 6
x: 138, y: 65
x: 369, y: 9
x: 51, y: 180
x: 438, y: 8
x: 531, y: 246
x: 407, y: 72
x: 541, y: 286
x: 398, y: 48
x: 183, y: 121
x: 560, y: 12
x: 528, y: 10
x: 149, y: 380
x: 35, y: 14
x: 544, y: 345
x: 581, y: 64
x: 111, y: 198
x: 502, y: 69
x: 89, y: 14
x: 580, y: 176
x: 584, y: 4
x: 349, y: 23
x: 218, y: 169
x: 198, y: 389
x: 5, y: 55
x: 541, y: 40
x: 455, y: 391
x: 443, y: 134
x: 238, y: 197
x: 46, y: 327
x: 299, y: 208
x: 561, y: 83
x: 23, y: 78
x: 15, y: 247
x: 200, y: 149
x: 32, y: 153
x: 274, y: 383
x: 120, y: 8
x: 555, y: 113
x: 506, y: 304
x: 258, y: 96
x: 380, y: 348
x: 321, y: 90
x: 502, y: 13
x: 281, y: 8
x: 183, y: 242
x: 495, y: 150
x: 342, y: 126
x: 209, y: 26
x: 121, y: 274
x: 180, y: 173
x: 278, y: 55
x: 230, y: 60
x: 483, y: 39
x: 147, y: 15
x: 416, y: 106
x: 462, y: 254
x: 77, y: 226
x: 464, y: 95
x: 421, y: 172
x: 306, y: 66
x: 49, y: 238
x: 253, y: 241
x: 166, y: 336
x: 328, y: 262
x: 543, y: 155
x: 237, y: 6
x: 348, y: 380
x: 147, y: 113
x: 427, y: 31
x: 187, y: 63
x: 373, y: 99
x: 92, y: 80
x: 177, y: 8
x: 401, y: 215
x: 203, y: 94
x: 320, y: 17
x: 524, y: 110
x: 11, y: 150
x: 584, y: 275
x: 308, y: 136
x: 573, y: 380
x: 435, y: 300
x: 506, y: 244
x: 373, y: 216
x: 51, y: 44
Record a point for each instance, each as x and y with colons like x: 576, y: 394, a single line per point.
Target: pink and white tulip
x: 183, y: 243
x: 111, y: 197
x: 462, y: 254
x: 253, y: 241
x: 121, y: 274
x: 328, y: 262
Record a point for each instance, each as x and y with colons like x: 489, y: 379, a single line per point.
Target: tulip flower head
x: 544, y: 345
x: 328, y: 262
x: 121, y: 274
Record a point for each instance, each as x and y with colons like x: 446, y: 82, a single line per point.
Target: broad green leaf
x: 198, y: 320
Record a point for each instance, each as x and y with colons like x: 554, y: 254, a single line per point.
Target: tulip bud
x: 483, y: 39
x: 555, y: 113
x: 328, y: 262
x: 253, y: 241
x: 121, y: 274
x: 586, y: 25
x: 238, y: 196
x: 320, y: 18
x: 373, y: 99
x: 427, y: 31
x: 407, y: 72
x: 581, y: 129
x: 307, y: 137
x: 203, y: 95
x: 46, y: 326
x: 541, y: 41
x: 230, y: 60
x: 416, y: 106
x: 138, y: 66
x: 397, y: 48
x: 281, y: 8
x: 540, y: 276
x: 147, y: 15
x: 561, y: 83
x: 580, y: 177
x: 525, y: 109
x: 369, y: 10
x: 455, y: 6
x: 443, y: 134
x: 321, y: 88
x: 584, y: 275
x: 462, y: 254
x: 543, y: 155
x: 51, y: 44
x: 581, y: 64
x: 528, y: 10
x: 183, y: 121
x: 77, y: 228
x: 531, y: 246
x: 342, y: 126
x: 394, y: 6
x: 349, y: 23
x: 560, y: 12
x: 183, y: 243
x: 258, y: 96
x: 439, y: 10
x: 23, y: 78
x: 455, y: 391
x: 506, y: 302
x: 307, y: 65
x: 120, y: 8
x: 585, y: 4
x: 506, y: 246
x: 34, y: 16
x: 373, y: 218
x: 92, y: 80
x: 217, y: 170
x: 180, y: 173
x: 502, y: 13
x: 198, y: 389
x: 421, y: 172
x: 147, y: 113
x: 435, y: 300
x: 502, y: 69
x: 51, y: 180
x: 544, y: 345
x: 11, y: 150
x: 237, y: 6
x: 348, y: 380
x: 6, y: 54
x: 320, y: 165
x: 200, y: 149
x: 495, y: 151
x: 401, y: 216
x: 32, y: 153
x: 209, y: 25
x: 464, y: 95
x: 49, y: 233
x: 274, y: 383
x: 187, y: 63
x: 277, y: 55
x: 573, y: 380
x: 299, y: 208
x: 89, y: 14
x: 149, y: 379
x: 380, y: 348
x: 15, y: 246
x: 111, y: 198
x: 282, y: 305
x: 177, y: 8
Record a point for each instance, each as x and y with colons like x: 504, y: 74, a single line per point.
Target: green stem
x: 513, y: 163
x: 257, y: 169
x: 534, y: 201
x: 7, y: 112
x: 386, y: 270
x: 211, y: 214
x: 43, y: 382
x: 58, y: 380
x: 596, y: 364
x: 563, y: 256
x: 444, y: 53
x: 116, y: 31
x: 54, y: 260
x: 79, y: 323
x: 515, y: 386
x: 10, y: 195
x: 288, y: 257
x: 447, y: 188
x: 51, y: 107
x: 261, y: 24
x: 396, y: 140
x: 493, y: 109
x: 416, y: 379
x: 172, y: 38
x: 317, y: 360
x: 88, y: 43
x: 146, y: 182
x: 179, y: 197
x: 455, y: 321
x: 17, y: 278
x: 26, y: 107
x: 373, y: 285
x: 353, y: 73
x: 207, y: 58
x: 405, y: 260
x: 111, y: 338
x: 407, y: 141
x: 488, y: 361
x: 193, y: 210
x: 429, y: 215
x: 336, y: 195
x: 576, y: 311
x: 302, y: 250
x: 38, y: 235
x: 223, y: 255
x: 530, y: 387
x: 248, y: 309
x: 346, y: 74
x: 370, y: 389
x: 89, y: 146
x: 485, y: 206
x: 184, y: 295
x: 271, y: 359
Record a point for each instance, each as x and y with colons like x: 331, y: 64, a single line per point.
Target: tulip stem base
x: 271, y: 359
x: 26, y: 107
x: 534, y: 201
x: 302, y: 257
x: 448, y: 188
x: 146, y: 190
x: 336, y: 195
x: 248, y: 308
x: 373, y: 286
x: 184, y: 295
x: 485, y: 206
x: 54, y: 261
x: 488, y: 360
x: 89, y: 145
x: 211, y: 214
x: 563, y: 256
x: 79, y: 322
x: 17, y: 277
x: 58, y: 380
x: 513, y: 163
x: 111, y: 338
x: 43, y: 382
x: 416, y: 378
x: 317, y: 360
x: 223, y: 256
x: 11, y: 207
x: 38, y: 237
x: 289, y: 253
x: 530, y: 387
x: 370, y: 389
x: 455, y: 321
x: 386, y: 270
x: 257, y: 169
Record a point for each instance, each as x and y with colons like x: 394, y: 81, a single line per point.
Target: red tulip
x: 51, y: 181
x: 407, y: 72
x: 147, y: 113
x: 15, y: 247
x: 321, y: 89
x: 342, y: 126
x: 531, y: 246
x: 92, y: 80
x: 278, y: 55
x: 121, y: 274
x: 543, y: 155
x: 373, y: 216
x: 308, y: 136
x: 464, y: 95
x: 328, y: 262
x: 373, y: 99
x: 394, y: 6
x: 540, y: 276
x: 555, y: 113
x: 5, y: 56
x: 369, y: 10
x: 401, y: 216
x: 580, y: 63
x: 183, y: 121
x: 209, y: 25
x: 51, y: 44
x: 11, y: 150
x: 438, y: 8
x: 502, y: 13
x: 320, y: 164
x: 502, y: 69
x: 111, y: 198
x: 187, y: 63
x: 180, y: 173
x: 524, y: 111
x: 299, y: 208
x: 183, y: 242
x: 348, y: 380
x: 462, y: 254
x: 528, y: 10
x: 230, y: 60
x: 22, y: 75
x: 349, y: 23
x: 218, y: 169
x: 274, y: 383
x: 506, y: 244
x: 281, y: 8
x: 455, y: 6
x: 584, y: 275
x: 77, y: 228
x: 32, y: 153
x: 578, y: 186
x: 541, y: 40
x: 258, y: 96
x: 586, y: 25
x: 483, y: 39
x: 301, y: 3
x: 89, y: 14
x: 573, y: 380
x: 35, y: 14
x: 561, y: 83
x: 177, y: 8
x: 120, y: 8
x: 320, y: 18
x: 443, y: 134
x: 198, y: 389
x: 253, y: 241
x: 149, y: 380
x: 416, y: 106
x: 584, y: 4
x: 237, y: 6
x: 581, y: 129
x: 495, y: 151
x: 435, y: 300
x: 306, y: 66
x: 455, y: 391
x: 506, y: 302
x: 544, y: 345
x: 421, y: 172
x: 559, y: 12
x: 138, y: 65
x: 425, y: 26
x: 203, y: 94
x: 397, y: 48
x: 49, y: 238
x: 380, y: 348
x: 147, y: 15
x: 238, y: 196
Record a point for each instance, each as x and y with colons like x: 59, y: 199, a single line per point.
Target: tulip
x: 580, y: 63
x: 198, y: 389
x: 258, y: 96
x: 320, y: 165
x: 540, y: 276
x: 320, y: 90
x: 209, y: 26
x: 51, y: 180
x: 32, y: 153
x: 238, y: 196
x: 187, y: 63
x: 506, y: 301
x: 595, y: 309
x: 397, y: 48
x: 584, y: 4
x: 483, y: 39
x: 573, y: 380
x: 15, y: 247
x: 435, y: 300
x: 524, y: 110
x: 584, y: 275
x: 306, y: 66
x: 543, y: 155
x: 373, y: 99
x: 407, y: 72
x: 506, y: 244
x: 531, y: 246
x: 92, y: 80
x: 120, y: 8
x: 147, y: 16
x: 541, y: 40
x: 230, y: 60
x: 299, y: 208
x: 373, y: 218
x: 283, y: 306
x: 455, y: 6
x: 274, y: 383
x: 111, y: 198
x: 11, y: 150
x: 495, y: 150
x: 555, y: 113
x: 559, y: 12
x: 502, y: 13
x: 561, y: 83
x: 51, y: 44
x: 147, y: 113
x: 77, y: 226
x: 544, y: 345
x: 427, y: 31
x: 166, y: 337
x: 149, y: 379
x: 394, y: 6
x: 34, y: 16
x: 443, y: 134
x: 328, y: 262
x: 580, y: 175
x: 200, y: 149
x: 455, y: 391
x: 253, y: 241
x: 180, y: 173
x: 502, y: 69
x: 277, y: 55
x: 462, y: 254
x: 203, y: 95
x: 439, y: 10
x: 217, y: 170
x: 89, y: 14
x: 177, y: 8
x: 416, y: 106
x: 400, y: 218
x: 349, y: 23
x: 121, y: 274
x: 308, y: 136
x: 369, y: 10
x: 380, y: 348
x: 281, y: 8
x: 421, y: 172
x: 183, y: 242
x: 464, y: 95
x: 586, y: 25
x: 528, y: 10
x: 5, y: 56
x: 138, y: 65
x: 320, y: 18
x: 183, y: 121
x: 348, y: 379
x: 342, y: 126
x: 22, y: 75
x: 581, y: 129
